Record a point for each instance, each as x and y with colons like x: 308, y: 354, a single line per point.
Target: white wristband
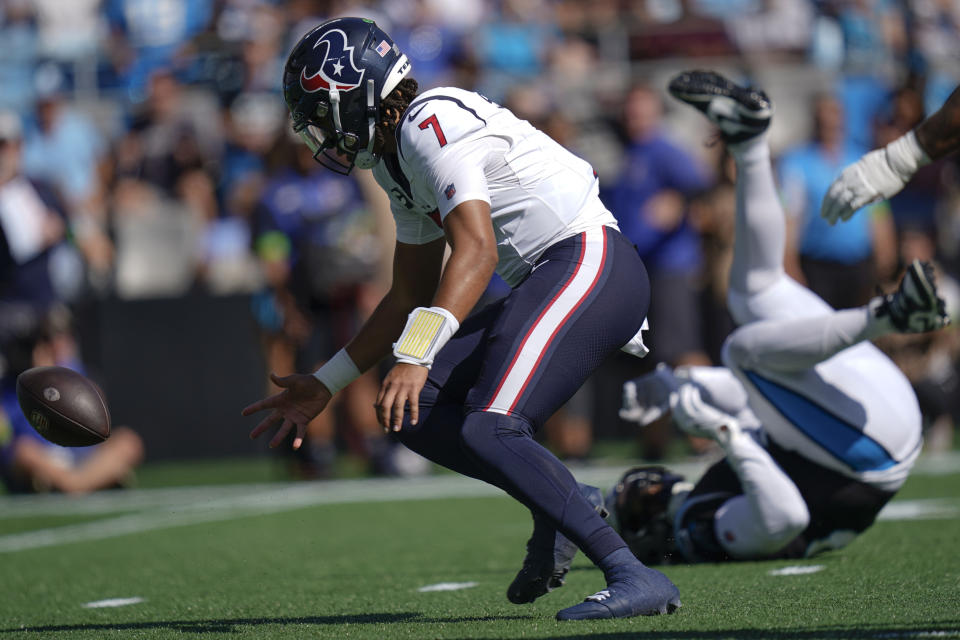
x: 337, y: 372
x: 427, y: 330
x: 905, y: 156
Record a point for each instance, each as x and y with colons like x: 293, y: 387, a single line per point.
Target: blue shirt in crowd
x: 805, y: 175
x: 651, y: 166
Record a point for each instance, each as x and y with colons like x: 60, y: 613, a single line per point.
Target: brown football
x: 64, y: 406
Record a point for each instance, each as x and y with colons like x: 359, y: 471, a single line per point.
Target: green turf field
x: 363, y: 558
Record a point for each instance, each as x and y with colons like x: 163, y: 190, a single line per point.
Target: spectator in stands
x: 934, y: 35
x: 428, y: 41
x: 155, y: 240
x: 64, y: 148
x: 180, y: 130
x: 252, y: 122
x: 148, y: 35
x: 36, y: 262
x: 840, y: 265
x: 28, y: 463
x: 512, y: 46
x: 18, y: 55
x: 874, y: 37
x: 68, y: 33
x: 649, y: 199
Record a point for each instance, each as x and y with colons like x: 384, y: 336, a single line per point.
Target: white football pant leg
x: 760, y: 231
x: 799, y: 343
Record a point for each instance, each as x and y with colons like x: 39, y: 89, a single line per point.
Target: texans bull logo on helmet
x: 337, y: 71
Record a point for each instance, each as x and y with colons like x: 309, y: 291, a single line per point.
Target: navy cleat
x: 634, y: 592
x: 915, y: 306
x: 545, y: 566
x: 740, y: 113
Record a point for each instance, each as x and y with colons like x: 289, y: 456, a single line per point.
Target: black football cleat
x: 544, y: 567
x: 635, y: 592
x: 739, y: 112
x: 915, y: 306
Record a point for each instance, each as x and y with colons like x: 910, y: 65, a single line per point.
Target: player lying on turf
x: 819, y: 427
x: 882, y: 173
x: 470, y: 393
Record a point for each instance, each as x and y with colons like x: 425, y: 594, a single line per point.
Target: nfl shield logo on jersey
x: 450, y: 191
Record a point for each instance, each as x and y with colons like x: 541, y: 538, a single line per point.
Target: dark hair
x: 393, y: 106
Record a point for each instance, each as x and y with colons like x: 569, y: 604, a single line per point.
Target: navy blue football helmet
x: 641, y: 506
x: 333, y: 83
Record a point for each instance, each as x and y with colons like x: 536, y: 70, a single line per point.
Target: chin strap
x: 334, y: 97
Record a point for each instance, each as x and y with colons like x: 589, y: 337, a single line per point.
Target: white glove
x: 878, y: 175
x: 697, y: 418
x: 647, y: 398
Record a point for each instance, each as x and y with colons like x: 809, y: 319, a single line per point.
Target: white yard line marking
x: 928, y: 509
x: 917, y: 634
x: 323, y: 492
x: 447, y: 586
x: 113, y: 602
x: 137, y: 511
x: 797, y: 570
x: 285, y: 498
x: 938, y: 464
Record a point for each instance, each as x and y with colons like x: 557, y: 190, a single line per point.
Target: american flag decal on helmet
x: 383, y: 48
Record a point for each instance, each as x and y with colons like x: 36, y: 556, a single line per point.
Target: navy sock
x: 615, y: 565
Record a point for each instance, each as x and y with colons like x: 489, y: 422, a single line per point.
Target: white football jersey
x: 455, y: 145
x: 854, y: 412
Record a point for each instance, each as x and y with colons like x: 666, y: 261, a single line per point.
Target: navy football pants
x: 514, y: 363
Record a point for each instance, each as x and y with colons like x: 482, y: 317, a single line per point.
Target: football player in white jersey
x: 470, y: 392
x: 819, y: 427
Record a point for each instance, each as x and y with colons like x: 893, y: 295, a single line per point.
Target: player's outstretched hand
x: 647, y: 398
x: 303, y: 397
x: 868, y: 180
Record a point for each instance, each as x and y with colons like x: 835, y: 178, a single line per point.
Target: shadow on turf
x: 227, y: 625
x: 949, y: 630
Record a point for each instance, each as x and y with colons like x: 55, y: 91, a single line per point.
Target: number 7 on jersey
x: 435, y: 124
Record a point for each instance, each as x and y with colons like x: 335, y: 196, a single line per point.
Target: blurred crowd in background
x: 145, y: 152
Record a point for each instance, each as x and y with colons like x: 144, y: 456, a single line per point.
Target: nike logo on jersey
x: 414, y: 115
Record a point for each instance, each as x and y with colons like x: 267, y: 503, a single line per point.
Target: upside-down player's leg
x: 759, y: 288
x: 815, y: 384
x: 802, y: 329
